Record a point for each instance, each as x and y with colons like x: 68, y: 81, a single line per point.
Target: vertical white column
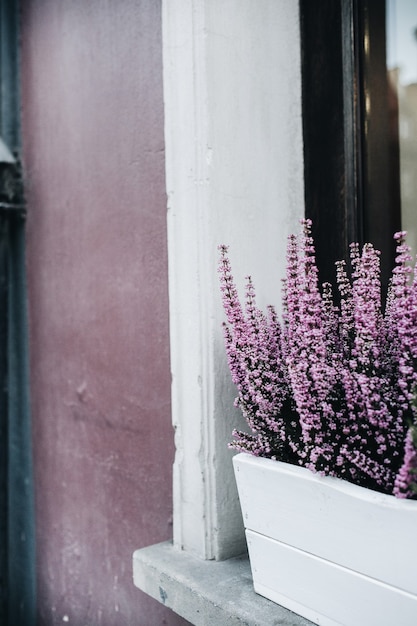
x: 234, y: 171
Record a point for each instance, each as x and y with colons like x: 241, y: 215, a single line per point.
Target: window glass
x: 402, y: 73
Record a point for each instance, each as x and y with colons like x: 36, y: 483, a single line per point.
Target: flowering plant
x: 331, y: 385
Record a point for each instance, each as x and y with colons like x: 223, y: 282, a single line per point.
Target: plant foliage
x: 329, y: 386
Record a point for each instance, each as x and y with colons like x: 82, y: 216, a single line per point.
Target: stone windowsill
x: 206, y: 592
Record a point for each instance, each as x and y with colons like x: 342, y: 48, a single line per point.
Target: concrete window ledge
x: 206, y: 592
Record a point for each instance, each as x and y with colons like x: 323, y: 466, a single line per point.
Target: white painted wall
x: 234, y: 168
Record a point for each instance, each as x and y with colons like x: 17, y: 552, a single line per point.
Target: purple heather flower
x: 406, y: 476
x: 331, y: 386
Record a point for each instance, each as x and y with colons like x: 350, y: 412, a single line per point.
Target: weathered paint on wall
x: 98, y: 303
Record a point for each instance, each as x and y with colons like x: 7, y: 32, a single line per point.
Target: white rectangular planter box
x: 333, y: 552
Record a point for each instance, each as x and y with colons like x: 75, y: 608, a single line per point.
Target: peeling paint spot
x: 81, y: 392
x: 209, y: 155
x: 163, y: 594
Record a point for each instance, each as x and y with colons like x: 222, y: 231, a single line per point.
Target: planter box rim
x: 331, y: 482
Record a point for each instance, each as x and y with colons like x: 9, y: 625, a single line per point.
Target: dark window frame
x: 17, y: 528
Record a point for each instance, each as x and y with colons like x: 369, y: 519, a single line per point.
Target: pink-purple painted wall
x: 93, y: 151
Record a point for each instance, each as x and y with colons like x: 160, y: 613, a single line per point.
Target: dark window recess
x: 350, y: 127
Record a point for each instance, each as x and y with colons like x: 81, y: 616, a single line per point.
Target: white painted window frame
x: 234, y: 172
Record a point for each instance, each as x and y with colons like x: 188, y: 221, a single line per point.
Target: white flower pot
x: 333, y: 552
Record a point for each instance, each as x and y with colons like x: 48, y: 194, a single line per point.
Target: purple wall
x: 98, y: 303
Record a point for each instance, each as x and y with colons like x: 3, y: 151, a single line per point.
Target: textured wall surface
x: 98, y: 303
